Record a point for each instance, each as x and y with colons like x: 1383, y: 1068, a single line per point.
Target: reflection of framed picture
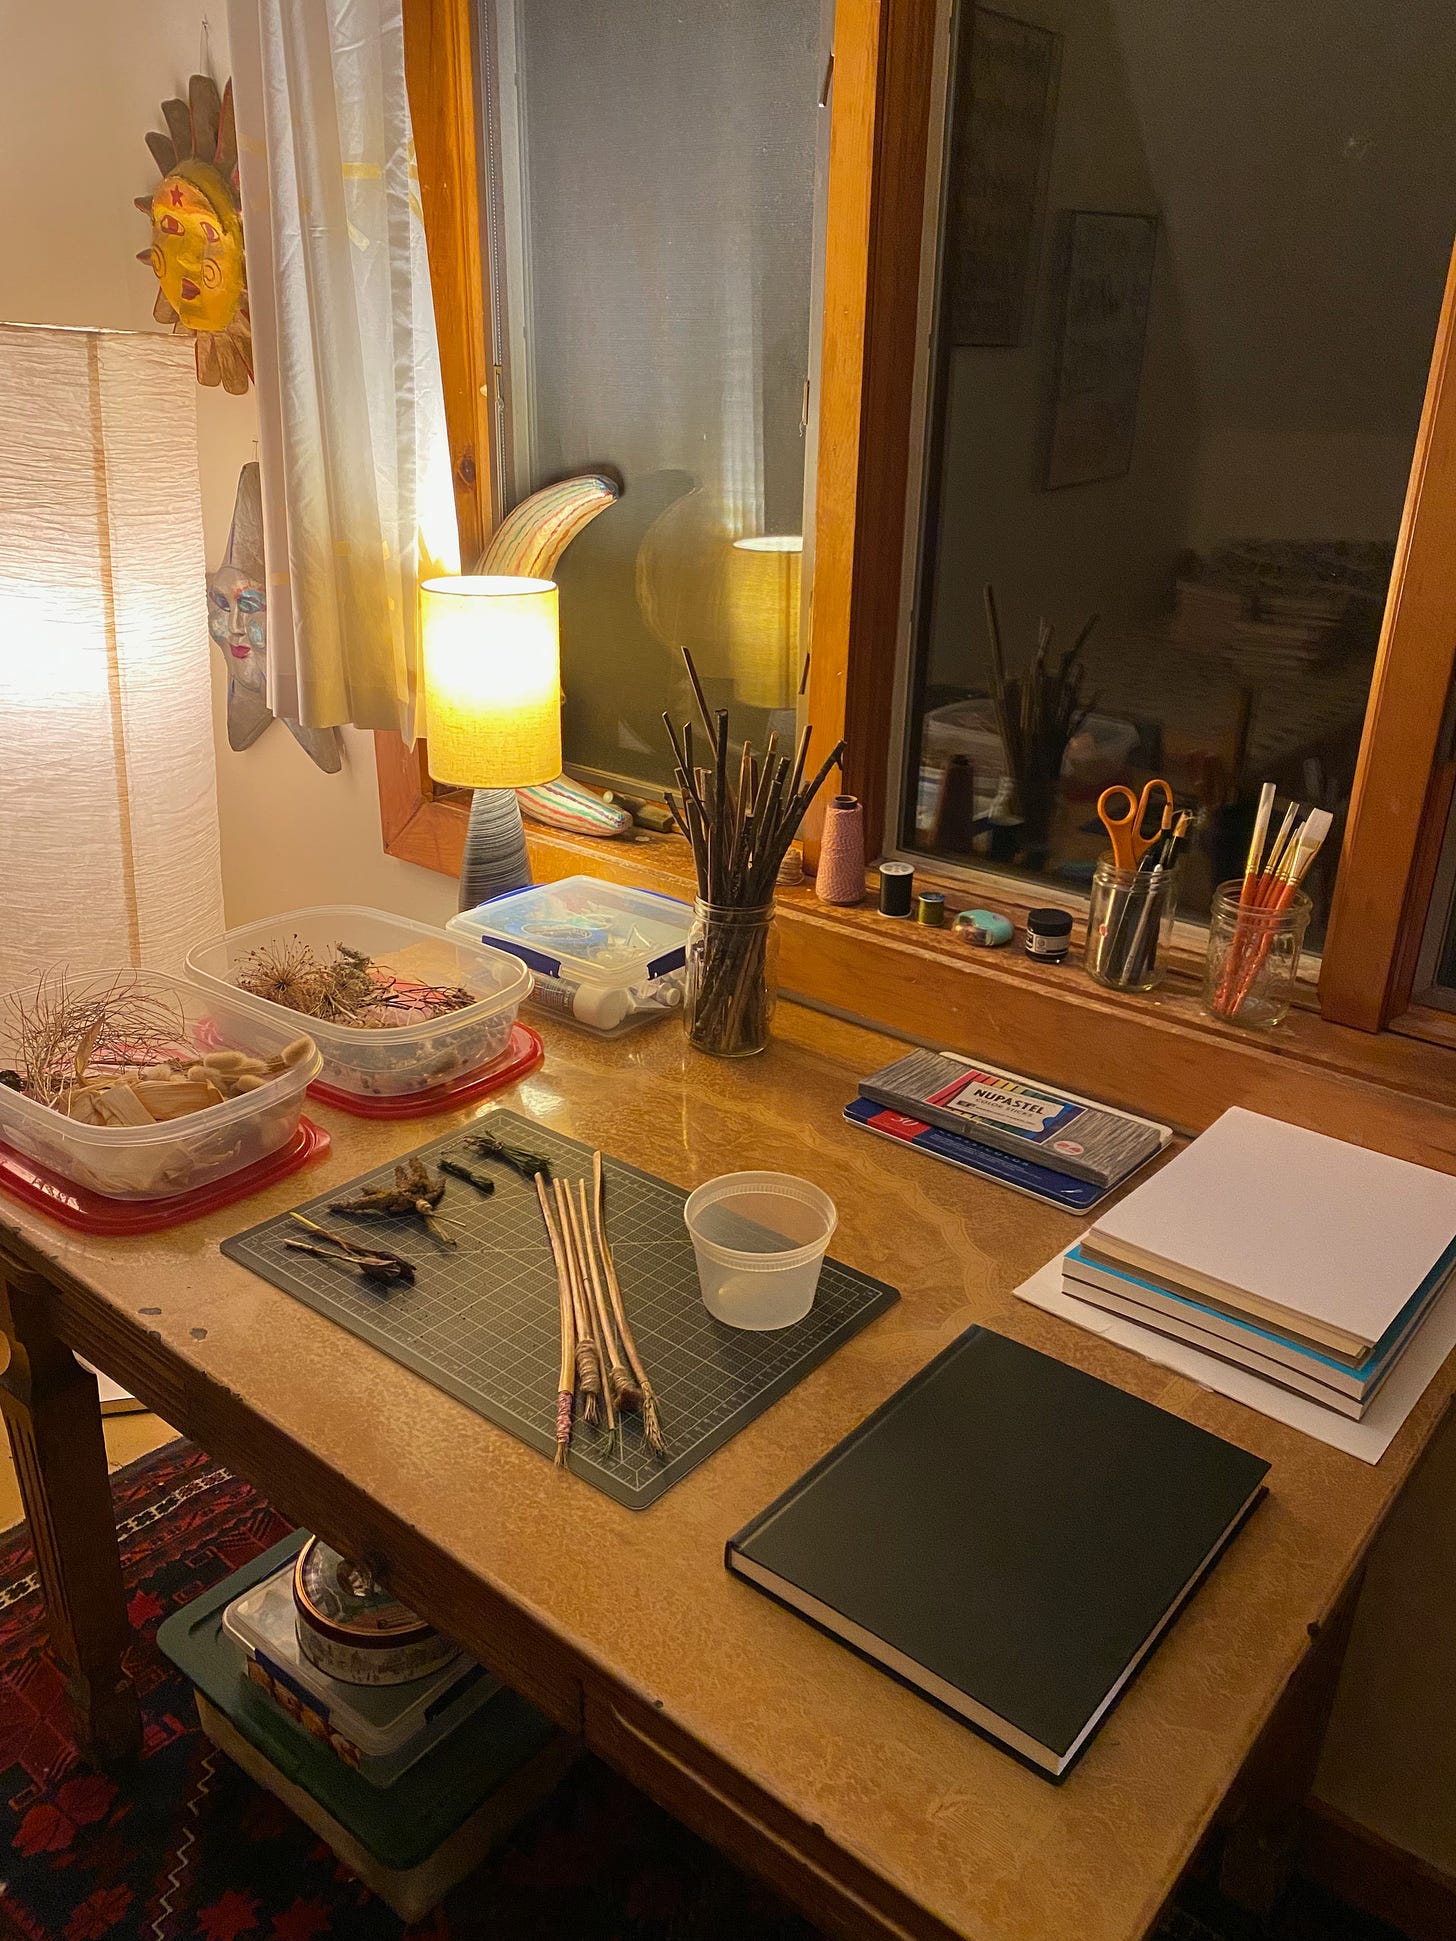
x: 1001, y: 144
x: 1106, y: 272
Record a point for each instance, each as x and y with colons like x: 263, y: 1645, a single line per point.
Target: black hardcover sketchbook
x: 1008, y: 1535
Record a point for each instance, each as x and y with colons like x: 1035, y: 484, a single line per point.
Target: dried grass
x: 61, y: 1034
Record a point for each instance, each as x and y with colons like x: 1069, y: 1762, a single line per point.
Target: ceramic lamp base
x: 495, y: 860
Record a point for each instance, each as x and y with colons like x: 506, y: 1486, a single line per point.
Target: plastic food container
x: 604, y: 956
x: 389, y: 1061
x: 760, y: 1239
x: 380, y: 1730
x: 159, y: 1162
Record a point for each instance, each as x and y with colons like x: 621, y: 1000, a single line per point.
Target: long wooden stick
x: 651, y: 1417
x: 588, y: 1355
x: 594, y: 1310
x: 565, y: 1382
x: 623, y: 1388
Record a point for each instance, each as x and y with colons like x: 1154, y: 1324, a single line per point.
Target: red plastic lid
x: 73, y: 1206
x: 523, y: 1054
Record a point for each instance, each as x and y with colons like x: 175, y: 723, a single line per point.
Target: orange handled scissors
x: 1129, y: 844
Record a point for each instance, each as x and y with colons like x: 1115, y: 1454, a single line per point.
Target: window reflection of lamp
x: 763, y: 618
x: 492, y: 668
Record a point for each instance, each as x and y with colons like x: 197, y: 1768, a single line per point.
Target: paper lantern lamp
x: 763, y: 618
x: 492, y: 668
x: 108, y: 787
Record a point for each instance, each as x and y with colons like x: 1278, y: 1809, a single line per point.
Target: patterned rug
x: 188, y: 1849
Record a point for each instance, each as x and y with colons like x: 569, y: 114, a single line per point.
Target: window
x: 872, y: 307
x: 1190, y: 271
x: 650, y: 237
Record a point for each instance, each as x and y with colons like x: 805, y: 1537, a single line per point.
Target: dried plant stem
x: 594, y: 1316
x: 588, y: 1354
x: 651, y: 1418
x: 565, y: 1380
x: 620, y: 1385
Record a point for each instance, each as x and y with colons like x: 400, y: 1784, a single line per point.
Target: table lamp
x: 492, y: 669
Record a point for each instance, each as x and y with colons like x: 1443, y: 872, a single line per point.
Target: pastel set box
x: 604, y: 956
x: 419, y: 1049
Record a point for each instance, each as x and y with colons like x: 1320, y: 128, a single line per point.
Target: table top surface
x: 985, y: 1846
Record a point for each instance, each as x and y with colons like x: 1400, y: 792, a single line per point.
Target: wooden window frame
x: 927, y: 986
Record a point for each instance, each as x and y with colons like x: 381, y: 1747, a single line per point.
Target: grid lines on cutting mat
x: 481, y: 1320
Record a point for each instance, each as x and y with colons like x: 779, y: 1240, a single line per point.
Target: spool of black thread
x: 897, y: 889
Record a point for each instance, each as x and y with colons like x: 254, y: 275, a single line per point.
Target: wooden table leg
x: 53, y: 1418
x: 1268, y: 1806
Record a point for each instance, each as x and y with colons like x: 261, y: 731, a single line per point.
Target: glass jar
x: 732, y: 978
x: 1253, y: 957
x: 1129, y: 922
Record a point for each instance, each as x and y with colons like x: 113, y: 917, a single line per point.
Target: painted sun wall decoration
x: 196, y: 251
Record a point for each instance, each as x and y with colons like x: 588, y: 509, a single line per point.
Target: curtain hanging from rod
x: 357, y: 495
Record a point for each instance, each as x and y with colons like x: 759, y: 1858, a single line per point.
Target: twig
x: 588, y: 1354
x: 593, y: 1313
x: 565, y: 1382
x: 527, y: 1164
x: 624, y: 1391
x: 373, y: 1267
x: 457, y: 1169
x: 407, y: 1267
x: 651, y: 1417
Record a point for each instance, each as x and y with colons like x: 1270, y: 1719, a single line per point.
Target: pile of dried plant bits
x: 344, y: 987
x: 125, y: 1057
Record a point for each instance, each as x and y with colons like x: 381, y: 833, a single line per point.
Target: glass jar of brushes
x: 1253, y: 956
x: 732, y: 978
x: 1130, y: 924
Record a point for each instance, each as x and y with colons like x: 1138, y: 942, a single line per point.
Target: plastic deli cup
x: 760, y: 1240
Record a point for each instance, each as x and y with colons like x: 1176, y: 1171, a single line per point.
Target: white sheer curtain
x: 357, y: 499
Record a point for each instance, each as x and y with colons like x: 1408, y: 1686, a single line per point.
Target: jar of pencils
x: 1129, y: 922
x: 1253, y: 956
x: 732, y: 979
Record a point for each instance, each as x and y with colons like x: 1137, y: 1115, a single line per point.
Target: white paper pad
x: 1368, y: 1439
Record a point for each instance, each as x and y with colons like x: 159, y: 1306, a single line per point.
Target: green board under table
x: 482, y: 1318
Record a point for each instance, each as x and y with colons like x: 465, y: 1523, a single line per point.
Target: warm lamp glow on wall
x: 763, y: 618
x: 492, y: 667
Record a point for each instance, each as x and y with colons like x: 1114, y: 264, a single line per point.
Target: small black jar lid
x: 1048, y: 921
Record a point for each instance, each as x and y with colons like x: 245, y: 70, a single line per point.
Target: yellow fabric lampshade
x: 492, y: 663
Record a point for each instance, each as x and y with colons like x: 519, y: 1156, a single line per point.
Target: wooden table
x: 878, y: 1813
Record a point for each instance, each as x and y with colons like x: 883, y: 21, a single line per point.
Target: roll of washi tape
x: 897, y: 886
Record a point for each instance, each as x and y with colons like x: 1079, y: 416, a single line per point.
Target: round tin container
x: 353, y: 1629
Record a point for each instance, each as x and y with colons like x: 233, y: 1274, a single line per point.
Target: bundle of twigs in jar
x: 739, y: 828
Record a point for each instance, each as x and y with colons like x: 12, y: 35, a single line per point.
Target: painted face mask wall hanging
x: 196, y: 251
x: 237, y: 619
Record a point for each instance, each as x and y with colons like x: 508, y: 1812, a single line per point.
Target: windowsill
x: 1051, y: 1020
x: 1156, y: 1053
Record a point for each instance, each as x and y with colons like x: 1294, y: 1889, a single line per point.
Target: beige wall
x: 80, y: 83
